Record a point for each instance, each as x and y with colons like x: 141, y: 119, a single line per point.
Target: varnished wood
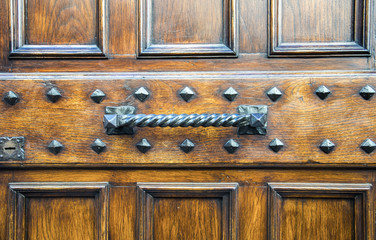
x: 119, y: 46
x: 294, y: 209
x: 58, y: 29
x: 187, y: 210
x: 300, y: 119
x: 213, y: 32
x: 307, y: 28
x: 52, y: 210
x: 252, y: 193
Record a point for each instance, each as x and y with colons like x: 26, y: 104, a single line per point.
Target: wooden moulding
x: 357, y: 46
x: 22, y: 192
x: 148, y: 49
x: 357, y: 195
x: 21, y: 49
x: 149, y: 194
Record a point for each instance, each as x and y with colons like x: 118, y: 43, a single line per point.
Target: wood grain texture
x: 319, y: 211
x: 187, y: 29
x: 122, y: 48
x: 47, y: 210
x: 60, y: 218
x: 208, y: 193
x: 245, y: 62
x: 5, y: 178
x: 58, y: 29
x: 318, y: 28
x: 309, y: 219
x: 253, y: 214
x: 122, y: 213
x: 252, y: 190
x: 300, y: 119
x: 187, y: 21
x: 187, y: 210
x: 317, y: 21
x: 64, y: 22
x: 187, y: 219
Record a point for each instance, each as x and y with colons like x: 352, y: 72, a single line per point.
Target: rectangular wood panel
x: 187, y: 211
x: 60, y: 22
x: 64, y: 210
x: 60, y: 218
x: 58, y: 29
x: 184, y: 28
x: 319, y: 211
x: 318, y: 28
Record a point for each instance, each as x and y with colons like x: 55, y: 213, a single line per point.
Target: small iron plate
x: 11, y: 148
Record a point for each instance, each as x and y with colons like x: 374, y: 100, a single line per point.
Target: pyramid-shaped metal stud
x: 111, y: 121
x: 368, y: 146
x: 187, y: 146
x: 258, y: 120
x: 187, y: 94
x: 322, y: 92
x: 367, y: 92
x: 143, y: 145
x: 141, y: 94
x: 230, y: 94
x: 55, y: 147
x: 98, y: 146
x: 53, y: 95
x: 231, y: 146
x: 327, y: 146
x: 276, y: 145
x: 11, y: 98
x: 98, y: 96
x: 274, y: 94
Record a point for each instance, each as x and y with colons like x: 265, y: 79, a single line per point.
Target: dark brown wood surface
x: 252, y: 200
x: 300, y: 119
x: 117, y: 29
x: 73, y: 22
x: 118, y: 46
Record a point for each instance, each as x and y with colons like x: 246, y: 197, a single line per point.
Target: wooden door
x: 289, y: 155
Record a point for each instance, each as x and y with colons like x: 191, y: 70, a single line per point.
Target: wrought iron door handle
x: 250, y: 119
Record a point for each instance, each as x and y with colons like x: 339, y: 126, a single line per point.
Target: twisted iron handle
x: 249, y: 120
x: 183, y: 120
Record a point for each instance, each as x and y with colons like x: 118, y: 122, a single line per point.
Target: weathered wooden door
x: 187, y: 119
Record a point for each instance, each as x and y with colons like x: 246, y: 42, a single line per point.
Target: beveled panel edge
x: 18, y: 192
x: 145, y: 49
x: 57, y: 51
x: 146, y: 191
x: 335, y: 49
x: 279, y: 190
x: 20, y: 50
x: 167, y: 75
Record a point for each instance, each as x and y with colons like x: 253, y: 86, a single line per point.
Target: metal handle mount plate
x: 250, y: 120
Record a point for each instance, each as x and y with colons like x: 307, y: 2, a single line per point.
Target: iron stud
x: 231, y: 146
x: 187, y: 94
x: 322, y: 92
x: 276, y: 145
x: 143, y: 145
x: 187, y: 146
x: 368, y: 146
x: 98, y: 96
x: 274, y: 94
x: 53, y: 95
x: 327, y: 146
x: 141, y: 94
x: 11, y: 98
x: 230, y: 94
x: 367, y: 92
x: 55, y: 147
